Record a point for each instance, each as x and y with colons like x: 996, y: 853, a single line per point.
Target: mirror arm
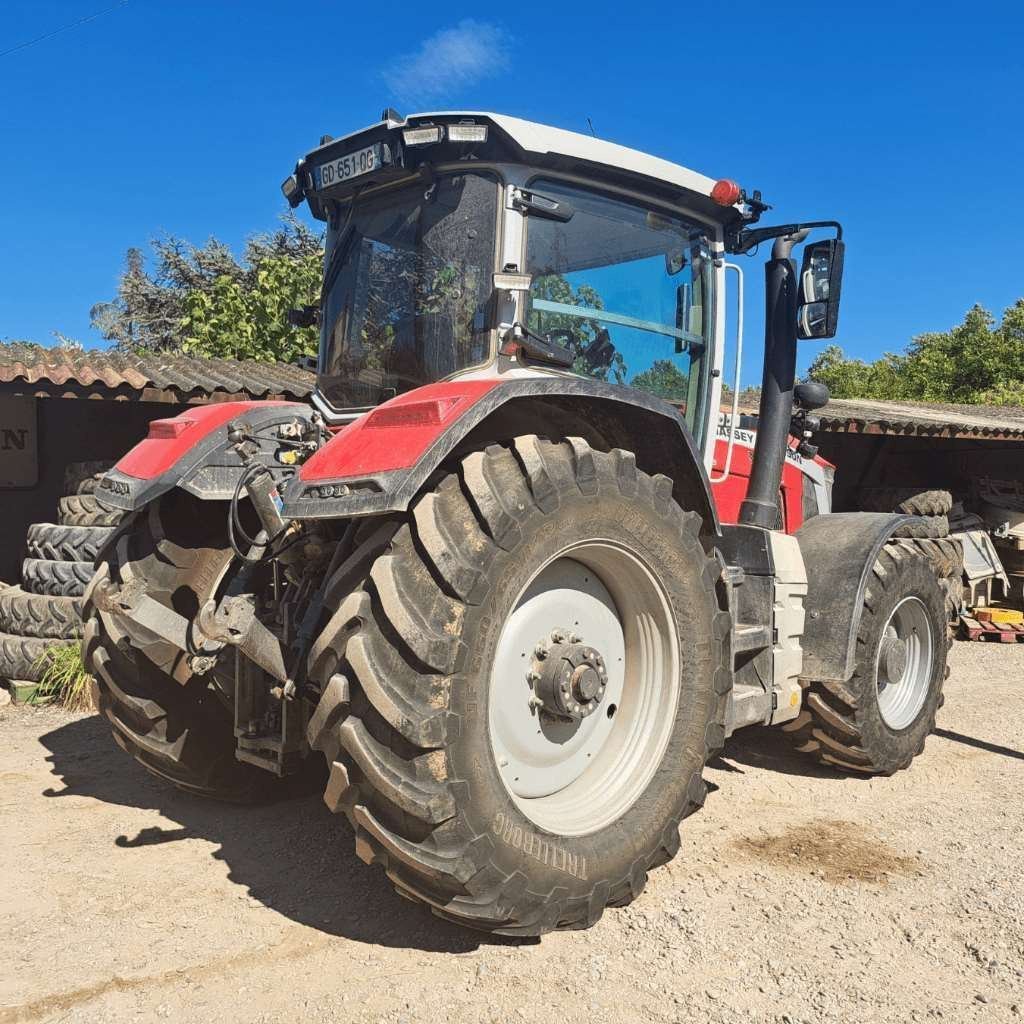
x: 742, y: 241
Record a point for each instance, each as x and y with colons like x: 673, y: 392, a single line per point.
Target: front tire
x: 417, y: 685
x: 877, y: 722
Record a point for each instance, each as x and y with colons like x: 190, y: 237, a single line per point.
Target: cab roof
x: 515, y: 139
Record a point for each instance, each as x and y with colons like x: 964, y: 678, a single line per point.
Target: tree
x: 204, y: 301
x: 663, y: 379
x: 979, y: 361
x: 585, y: 338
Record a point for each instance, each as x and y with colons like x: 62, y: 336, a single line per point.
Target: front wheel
x: 877, y: 721
x: 522, y: 681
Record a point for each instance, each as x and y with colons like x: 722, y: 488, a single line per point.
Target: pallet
x: 994, y: 632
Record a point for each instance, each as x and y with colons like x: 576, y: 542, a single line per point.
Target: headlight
x: 423, y: 136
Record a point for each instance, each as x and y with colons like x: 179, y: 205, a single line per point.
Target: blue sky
x: 900, y: 120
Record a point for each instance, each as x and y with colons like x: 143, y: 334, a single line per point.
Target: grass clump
x: 62, y: 676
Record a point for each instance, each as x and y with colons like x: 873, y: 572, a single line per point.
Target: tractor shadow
x: 294, y: 856
x: 769, y: 749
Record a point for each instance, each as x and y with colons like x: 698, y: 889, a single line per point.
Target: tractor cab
x: 468, y: 244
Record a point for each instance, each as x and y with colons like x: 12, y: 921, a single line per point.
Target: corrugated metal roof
x: 98, y: 373
x: 921, y: 419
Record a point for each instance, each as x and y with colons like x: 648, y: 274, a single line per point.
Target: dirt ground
x: 799, y: 895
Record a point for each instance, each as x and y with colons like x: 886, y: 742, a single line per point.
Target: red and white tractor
x: 492, y: 577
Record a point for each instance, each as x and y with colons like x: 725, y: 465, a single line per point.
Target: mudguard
x: 381, y: 461
x: 839, y: 552
x: 192, y: 451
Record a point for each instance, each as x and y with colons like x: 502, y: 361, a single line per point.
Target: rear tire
x: 408, y: 664
x: 172, y: 722
x: 877, y: 722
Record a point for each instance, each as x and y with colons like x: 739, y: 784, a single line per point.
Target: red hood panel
x: 396, y: 434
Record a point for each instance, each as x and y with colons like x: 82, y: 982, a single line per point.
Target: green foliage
x: 63, y: 676
x: 204, y: 301
x: 665, y: 380
x: 247, y: 319
x: 979, y: 361
x: 581, y: 336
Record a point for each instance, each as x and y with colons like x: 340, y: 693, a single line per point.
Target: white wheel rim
x: 904, y: 663
x: 573, y: 778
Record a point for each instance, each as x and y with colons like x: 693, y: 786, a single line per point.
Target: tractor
x: 480, y: 589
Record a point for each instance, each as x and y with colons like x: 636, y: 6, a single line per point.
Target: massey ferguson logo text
x: 532, y: 845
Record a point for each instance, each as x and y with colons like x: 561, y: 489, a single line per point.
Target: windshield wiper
x: 338, y: 256
x: 341, y: 247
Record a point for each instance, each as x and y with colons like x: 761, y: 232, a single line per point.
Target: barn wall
x: 67, y: 430
x: 881, y: 460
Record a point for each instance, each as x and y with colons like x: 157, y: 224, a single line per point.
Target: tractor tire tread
x: 384, y: 662
x: 60, y: 543
x: 20, y: 656
x: 38, y: 615
x: 55, y: 578
x: 910, y: 501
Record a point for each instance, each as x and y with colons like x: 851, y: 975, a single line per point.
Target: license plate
x: 351, y: 165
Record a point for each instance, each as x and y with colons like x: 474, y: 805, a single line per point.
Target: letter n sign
x: 19, y: 463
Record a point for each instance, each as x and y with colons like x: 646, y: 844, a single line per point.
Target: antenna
x: 590, y: 125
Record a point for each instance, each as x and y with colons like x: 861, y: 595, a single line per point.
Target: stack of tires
x: 46, y: 609
x: 930, y: 536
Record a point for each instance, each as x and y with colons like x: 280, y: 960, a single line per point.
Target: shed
x: 61, y: 408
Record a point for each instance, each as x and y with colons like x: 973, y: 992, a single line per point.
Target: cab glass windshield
x: 627, y: 289
x: 407, y: 277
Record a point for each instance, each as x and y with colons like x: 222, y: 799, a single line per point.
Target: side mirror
x: 821, y: 282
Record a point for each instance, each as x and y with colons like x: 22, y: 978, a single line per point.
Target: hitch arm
x: 232, y: 623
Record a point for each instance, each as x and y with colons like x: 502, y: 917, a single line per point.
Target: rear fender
x: 380, y: 462
x: 192, y: 451
x: 839, y: 551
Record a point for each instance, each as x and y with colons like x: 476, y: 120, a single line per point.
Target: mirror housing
x: 821, y: 281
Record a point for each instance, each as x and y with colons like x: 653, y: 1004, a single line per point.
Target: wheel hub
x: 893, y: 658
x: 569, y: 676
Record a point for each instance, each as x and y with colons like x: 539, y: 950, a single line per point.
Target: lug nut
x: 557, y: 636
x: 540, y: 651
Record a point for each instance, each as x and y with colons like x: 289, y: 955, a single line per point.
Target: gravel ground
x: 799, y: 895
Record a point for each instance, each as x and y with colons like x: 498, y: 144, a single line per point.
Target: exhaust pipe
x: 761, y: 505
